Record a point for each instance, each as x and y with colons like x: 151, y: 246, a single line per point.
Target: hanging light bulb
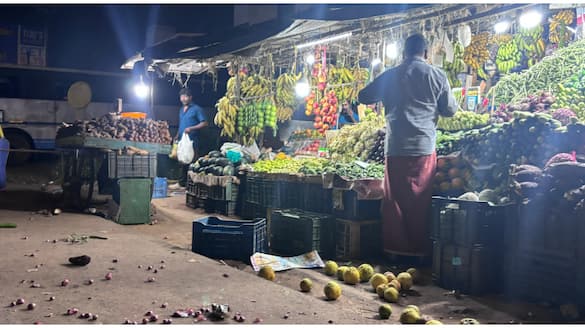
x: 392, y: 50
x: 302, y: 89
x: 310, y: 59
x: 141, y: 90
x: 502, y: 27
x: 376, y: 62
x: 530, y: 19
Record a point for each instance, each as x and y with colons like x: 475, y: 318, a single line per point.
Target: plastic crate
x: 294, y: 232
x: 227, y: 193
x: 471, y: 270
x: 194, y: 202
x: 291, y: 193
x: 357, y: 239
x: 252, y: 211
x: 131, y: 166
x: 223, y: 207
x: 273, y: 194
x: 346, y: 205
x: 229, y: 240
x: 544, y: 276
x: 468, y: 223
x: 200, y: 190
x: 253, y: 190
x: 160, y: 188
x: 317, y: 199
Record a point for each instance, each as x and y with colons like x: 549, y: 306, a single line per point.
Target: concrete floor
x: 188, y: 280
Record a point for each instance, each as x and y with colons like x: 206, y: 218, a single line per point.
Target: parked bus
x: 33, y: 104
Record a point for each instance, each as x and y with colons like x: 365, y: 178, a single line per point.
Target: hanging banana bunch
x: 285, y: 100
x: 341, y: 80
x: 361, y: 76
x: 457, y: 66
x: 477, y: 53
x: 226, y: 116
x: 508, y: 57
x: 531, y: 43
x: 558, y: 32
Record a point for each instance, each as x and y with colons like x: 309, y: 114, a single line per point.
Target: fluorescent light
x: 325, y: 40
x: 302, y: 89
x: 392, y: 50
x: 502, y: 27
x: 141, y: 90
x: 376, y: 62
x: 310, y: 59
x: 530, y: 19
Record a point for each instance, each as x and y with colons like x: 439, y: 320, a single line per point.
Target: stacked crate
x: 468, y: 245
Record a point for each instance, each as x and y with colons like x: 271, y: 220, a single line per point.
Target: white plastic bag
x: 185, y: 151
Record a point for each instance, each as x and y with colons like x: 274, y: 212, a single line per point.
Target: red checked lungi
x: 408, y: 187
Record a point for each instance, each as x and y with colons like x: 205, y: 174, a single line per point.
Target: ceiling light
x: 376, y: 62
x: 502, y: 27
x: 392, y: 50
x: 325, y: 40
x: 310, y: 59
x: 530, y: 19
x: 302, y: 89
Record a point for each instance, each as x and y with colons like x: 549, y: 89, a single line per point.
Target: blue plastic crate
x: 160, y: 188
x: 4, y: 147
x: 229, y: 240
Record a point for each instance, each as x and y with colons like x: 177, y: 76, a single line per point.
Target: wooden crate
x: 358, y: 239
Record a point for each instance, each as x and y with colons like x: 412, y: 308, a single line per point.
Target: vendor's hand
x: 188, y: 130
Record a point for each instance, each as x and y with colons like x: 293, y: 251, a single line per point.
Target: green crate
x: 132, y: 201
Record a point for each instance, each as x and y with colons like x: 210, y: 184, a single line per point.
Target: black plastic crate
x: 227, y: 193
x: 200, y: 190
x: 346, y: 205
x: 471, y: 270
x: 358, y: 239
x: 253, y: 190
x: 544, y: 276
x: 469, y: 223
x: 252, y: 211
x: 317, y: 199
x: 228, y: 239
x: 291, y: 193
x: 223, y: 207
x: 272, y: 193
x: 295, y: 232
x: 195, y: 202
x: 131, y: 166
x: 544, y: 226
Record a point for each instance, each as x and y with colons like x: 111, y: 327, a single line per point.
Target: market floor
x: 188, y: 280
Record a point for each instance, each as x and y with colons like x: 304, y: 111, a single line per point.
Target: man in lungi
x: 414, y: 95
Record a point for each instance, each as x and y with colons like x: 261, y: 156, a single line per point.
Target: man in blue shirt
x: 191, y: 120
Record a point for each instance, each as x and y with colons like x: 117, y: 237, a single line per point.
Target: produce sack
x: 185, y: 152
x: 4, y: 147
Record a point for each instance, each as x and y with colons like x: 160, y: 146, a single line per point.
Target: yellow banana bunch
x: 361, y: 77
x: 341, y: 80
x: 477, y: 53
x: 226, y: 116
x: 558, y: 33
x: 284, y: 114
x: 508, y: 57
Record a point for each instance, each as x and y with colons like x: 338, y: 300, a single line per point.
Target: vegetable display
x: 463, y: 120
x: 545, y: 75
x: 357, y: 140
